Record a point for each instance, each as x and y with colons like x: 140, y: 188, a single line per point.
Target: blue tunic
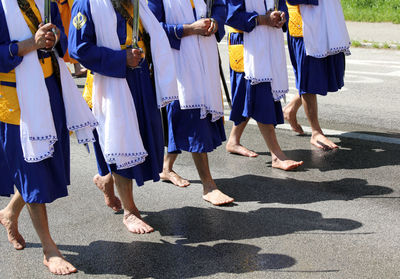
x: 314, y: 75
x: 186, y: 131
x: 249, y: 101
x: 83, y: 47
x: 44, y: 181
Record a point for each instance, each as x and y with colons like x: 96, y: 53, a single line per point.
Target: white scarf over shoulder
x: 324, y: 29
x: 196, y: 62
x: 264, y: 53
x: 113, y: 105
x: 38, y: 133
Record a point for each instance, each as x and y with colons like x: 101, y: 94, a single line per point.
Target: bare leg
x: 9, y: 219
x: 169, y: 174
x: 53, y: 259
x: 210, y: 191
x: 290, y: 114
x: 106, y: 185
x: 79, y: 70
x: 279, y: 159
x: 132, y: 219
x: 234, y: 146
x: 317, y: 137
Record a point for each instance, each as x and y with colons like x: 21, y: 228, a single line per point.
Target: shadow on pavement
x: 166, y: 260
x: 291, y: 191
x: 196, y: 225
x: 353, y: 154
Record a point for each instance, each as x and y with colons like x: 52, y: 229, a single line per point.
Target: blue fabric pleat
x: 315, y: 75
x: 187, y: 132
x: 151, y: 132
x: 44, y: 181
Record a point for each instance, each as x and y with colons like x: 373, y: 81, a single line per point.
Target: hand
x: 45, y: 37
x: 272, y: 18
x: 133, y: 57
x: 281, y: 21
x: 213, y: 27
x: 201, y: 27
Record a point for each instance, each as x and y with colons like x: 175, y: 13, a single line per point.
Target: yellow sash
x: 9, y: 105
x: 295, y: 21
x: 236, y: 53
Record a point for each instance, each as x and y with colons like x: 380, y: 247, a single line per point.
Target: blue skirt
x: 315, y: 75
x: 151, y: 132
x: 187, y: 132
x: 44, y: 181
x: 252, y: 101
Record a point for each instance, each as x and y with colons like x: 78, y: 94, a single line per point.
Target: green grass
x: 372, y: 10
x: 355, y: 43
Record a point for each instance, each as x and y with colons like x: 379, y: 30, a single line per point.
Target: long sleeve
x: 83, y: 46
x: 7, y: 62
x: 174, y: 32
x: 238, y: 18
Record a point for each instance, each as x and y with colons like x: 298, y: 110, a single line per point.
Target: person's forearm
x: 26, y: 46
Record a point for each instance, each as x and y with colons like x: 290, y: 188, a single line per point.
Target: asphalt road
x: 336, y: 217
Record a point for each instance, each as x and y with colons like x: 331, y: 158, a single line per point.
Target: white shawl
x: 113, y: 106
x: 264, y: 53
x: 324, y: 29
x: 37, y: 129
x: 196, y: 62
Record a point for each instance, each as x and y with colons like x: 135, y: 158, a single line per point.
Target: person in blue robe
x: 114, y: 63
x: 186, y: 131
x: 314, y: 76
x: 252, y: 101
x: 37, y: 183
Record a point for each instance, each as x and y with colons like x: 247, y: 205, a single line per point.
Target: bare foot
x: 56, y: 263
x: 290, y: 116
x: 174, y: 178
x: 240, y: 150
x: 216, y: 197
x: 106, y: 185
x: 285, y: 164
x: 320, y: 141
x: 135, y: 224
x: 11, y: 226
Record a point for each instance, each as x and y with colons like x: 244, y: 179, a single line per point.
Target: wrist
x: 13, y: 49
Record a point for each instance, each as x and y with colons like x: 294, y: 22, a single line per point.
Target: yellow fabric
x: 236, y: 57
x: 9, y: 104
x: 233, y: 30
x: 87, y: 91
x: 35, y: 10
x: 295, y: 21
x: 236, y: 53
x: 65, y: 6
x: 191, y: 2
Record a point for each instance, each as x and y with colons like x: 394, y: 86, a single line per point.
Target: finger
x: 210, y: 29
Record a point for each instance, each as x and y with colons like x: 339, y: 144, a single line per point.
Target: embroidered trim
x: 204, y: 111
x: 139, y: 158
x: 333, y: 51
x: 166, y: 100
x: 277, y: 94
x: 83, y: 125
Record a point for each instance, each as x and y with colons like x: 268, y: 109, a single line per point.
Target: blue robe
x: 186, y: 131
x: 314, y: 75
x: 83, y: 47
x: 249, y: 101
x: 47, y: 180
